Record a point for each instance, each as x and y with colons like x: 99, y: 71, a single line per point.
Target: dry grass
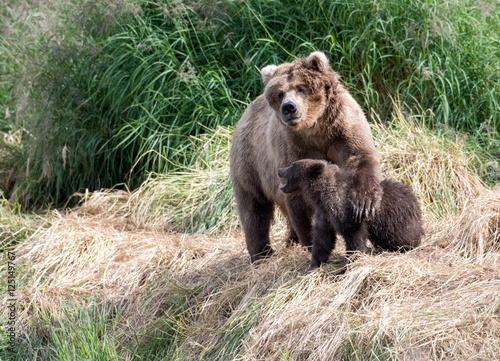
x: 428, y: 303
x: 438, y: 302
x: 431, y: 303
x: 475, y: 231
x: 438, y: 167
x: 108, y: 258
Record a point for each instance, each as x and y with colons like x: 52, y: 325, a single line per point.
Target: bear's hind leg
x: 256, y: 213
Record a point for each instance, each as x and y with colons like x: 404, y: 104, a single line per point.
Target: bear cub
x: 396, y: 226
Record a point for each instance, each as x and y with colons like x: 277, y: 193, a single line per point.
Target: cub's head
x: 300, y: 92
x: 303, y: 173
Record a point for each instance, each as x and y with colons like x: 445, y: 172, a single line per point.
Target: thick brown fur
x: 305, y: 112
x: 397, y: 226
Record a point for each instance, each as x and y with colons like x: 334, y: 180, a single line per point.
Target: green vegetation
x: 104, y: 94
x: 15, y: 226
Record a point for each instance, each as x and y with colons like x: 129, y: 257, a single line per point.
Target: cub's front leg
x: 324, y: 239
x: 300, y: 216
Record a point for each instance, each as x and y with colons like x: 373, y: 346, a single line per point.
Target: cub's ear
x: 335, y: 167
x: 316, y: 169
x: 267, y: 73
x: 318, y: 61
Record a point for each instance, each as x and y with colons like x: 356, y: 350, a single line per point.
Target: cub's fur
x: 326, y: 188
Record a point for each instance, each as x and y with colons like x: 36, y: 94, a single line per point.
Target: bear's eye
x: 301, y: 90
x: 280, y: 96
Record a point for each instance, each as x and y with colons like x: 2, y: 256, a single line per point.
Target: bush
x: 116, y: 89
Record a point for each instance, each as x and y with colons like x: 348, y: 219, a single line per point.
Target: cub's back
x: 398, y: 224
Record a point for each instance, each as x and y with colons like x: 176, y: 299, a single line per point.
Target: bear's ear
x: 317, y: 61
x: 315, y: 170
x: 267, y: 73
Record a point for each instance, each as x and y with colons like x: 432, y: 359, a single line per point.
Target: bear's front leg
x: 256, y: 213
x: 365, y: 195
x: 324, y: 239
x: 300, y: 216
x: 292, y: 238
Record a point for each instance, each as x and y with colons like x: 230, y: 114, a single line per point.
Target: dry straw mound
x: 439, y: 302
x: 107, y: 258
x: 475, y: 231
x: 428, y: 304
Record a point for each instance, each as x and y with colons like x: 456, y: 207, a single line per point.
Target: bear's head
x: 302, y: 173
x: 300, y: 92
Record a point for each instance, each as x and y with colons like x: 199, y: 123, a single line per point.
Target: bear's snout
x: 288, y: 108
x: 280, y: 173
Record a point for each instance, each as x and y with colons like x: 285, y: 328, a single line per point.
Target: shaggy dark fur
x: 397, y: 226
x: 305, y: 112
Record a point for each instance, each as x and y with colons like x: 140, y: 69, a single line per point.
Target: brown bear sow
x: 326, y: 188
x: 304, y: 112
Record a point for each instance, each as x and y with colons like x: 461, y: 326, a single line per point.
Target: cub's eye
x: 301, y: 90
x: 281, y: 95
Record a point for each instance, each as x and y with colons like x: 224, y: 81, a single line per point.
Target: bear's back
x: 399, y: 220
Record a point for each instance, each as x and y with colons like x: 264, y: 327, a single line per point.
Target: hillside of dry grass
x: 107, y: 279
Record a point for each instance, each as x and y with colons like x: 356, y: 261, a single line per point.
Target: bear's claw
x: 366, y: 208
x: 365, y: 212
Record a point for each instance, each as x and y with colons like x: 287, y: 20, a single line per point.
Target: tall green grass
x: 115, y: 91
x: 77, y: 334
x: 15, y: 226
